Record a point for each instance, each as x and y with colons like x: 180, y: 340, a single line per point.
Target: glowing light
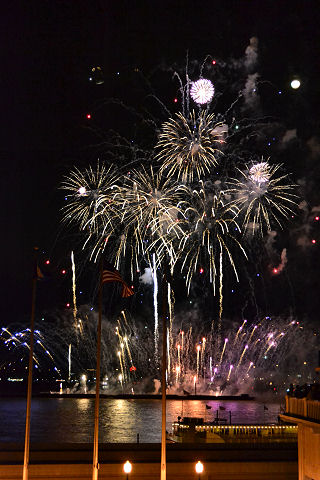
x: 199, y: 467
x: 67, y: 305
x: 175, y: 100
x: 213, y: 62
x: 295, y: 84
x: 202, y: 91
x: 201, y: 270
x: 260, y: 172
x: 63, y: 272
x: 88, y: 116
x: 275, y: 270
x: 47, y: 262
x: 316, y: 218
x: 127, y: 467
x: 82, y: 190
x: 313, y: 241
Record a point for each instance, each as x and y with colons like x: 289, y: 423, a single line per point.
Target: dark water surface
x: 71, y: 419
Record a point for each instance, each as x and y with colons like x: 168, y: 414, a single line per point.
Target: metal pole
x: 163, y: 377
x: 29, y: 389
x: 95, y: 464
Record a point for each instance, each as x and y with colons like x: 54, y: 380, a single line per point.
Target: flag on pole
x: 221, y: 408
x: 114, y: 276
x: 265, y: 408
x: 208, y: 407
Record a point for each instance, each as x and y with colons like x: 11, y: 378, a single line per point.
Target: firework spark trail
x: 252, y: 333
x: 126, y: 342
x: 202, y: 353
x: 241, y: 357
x: 198, y: 359
x: 123, y: 313
x: 76, y: 323
x: 272, y: 344
x: 182, y: 340
x: 121, y: 364
x: 229, y: 373
x: 179, y: 356
x: 69, y: 362
x: 155, y: 308
x: 223, y: 350
x: 122, y: 346
x: 250, y: 365
x: 177, y: 374
x: 238, y: 332
x: 170, y: 311
x: 168, y: 369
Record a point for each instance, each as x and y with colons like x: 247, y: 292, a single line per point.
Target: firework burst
x: 91, y: 199
x: 202, y: 91
x: 152, y: 205
x: 262, y: 195
x: 188, y: 145
x: 210, y: 226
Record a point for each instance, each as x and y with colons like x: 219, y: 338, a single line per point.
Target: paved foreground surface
x: 221, y: 462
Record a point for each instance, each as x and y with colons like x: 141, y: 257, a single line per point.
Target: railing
x: 303, y: 407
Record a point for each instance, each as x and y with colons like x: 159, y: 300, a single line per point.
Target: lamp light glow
x: 127, y: 467
x: 199, y: 467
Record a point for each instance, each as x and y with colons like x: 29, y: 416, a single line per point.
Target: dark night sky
x: 47, y: 48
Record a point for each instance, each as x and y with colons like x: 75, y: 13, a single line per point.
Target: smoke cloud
x: 146, y: 278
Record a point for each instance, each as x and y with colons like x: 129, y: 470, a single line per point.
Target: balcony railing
x: 310, y: 409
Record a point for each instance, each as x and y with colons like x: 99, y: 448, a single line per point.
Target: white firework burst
x: 262, y: 196
x: 260, y: 172
x: 202, y: 91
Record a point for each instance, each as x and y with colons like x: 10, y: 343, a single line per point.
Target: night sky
x: 48, y: 49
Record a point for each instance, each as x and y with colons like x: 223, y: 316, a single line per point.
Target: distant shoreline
x: 146, y: 396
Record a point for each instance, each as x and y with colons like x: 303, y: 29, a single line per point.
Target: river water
x: 64, y: 420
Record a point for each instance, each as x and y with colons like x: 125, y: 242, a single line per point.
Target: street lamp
x: 199, y: 468
x: 127, y: 467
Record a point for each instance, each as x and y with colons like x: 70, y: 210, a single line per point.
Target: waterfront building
x: 305, y: 412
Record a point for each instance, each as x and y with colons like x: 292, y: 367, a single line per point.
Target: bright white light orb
x: 127, y: 467
x: 295, y: 84
x: 199, y: 467
x: 260, y: 172
x: 202, y: 91
x: 82, y: 191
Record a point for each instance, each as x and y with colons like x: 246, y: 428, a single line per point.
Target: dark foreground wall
x: 221, y: 462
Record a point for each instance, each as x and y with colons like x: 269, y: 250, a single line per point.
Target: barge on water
x: 195, y: 430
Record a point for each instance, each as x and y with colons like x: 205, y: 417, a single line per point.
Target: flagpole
x: 163, y: 474
x: 29, y: 388
x: 95, y: 463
